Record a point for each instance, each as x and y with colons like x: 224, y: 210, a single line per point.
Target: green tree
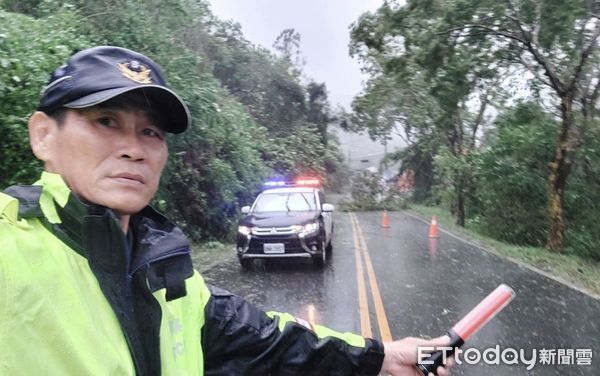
x: 511, y: 190
x: 267, y: 86
x: 318, y: 112
x: 425, y: 83
x: 556, y: 41
x: 287, y: 45
x: 465, y: 45
x: 29, y: 49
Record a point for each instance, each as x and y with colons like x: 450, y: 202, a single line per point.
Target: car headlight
x: 307, y: 229
x: 244, y: 230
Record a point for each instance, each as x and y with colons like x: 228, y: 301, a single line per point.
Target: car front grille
x: 267, y: 231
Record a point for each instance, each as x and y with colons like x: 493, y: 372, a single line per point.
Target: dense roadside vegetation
x: 498, y: 102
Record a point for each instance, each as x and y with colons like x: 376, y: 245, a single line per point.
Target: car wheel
x: 245, y: 263
x: 321, y: 258
x: 330, y: 245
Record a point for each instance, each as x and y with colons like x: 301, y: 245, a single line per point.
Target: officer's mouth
x: 129, y: 178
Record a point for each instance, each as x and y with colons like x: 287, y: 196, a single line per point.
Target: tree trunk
x: 460, y: 203
x: 560, y: 169
x: 423, y: 178
x: 459, y: 186
x: 589, y: 112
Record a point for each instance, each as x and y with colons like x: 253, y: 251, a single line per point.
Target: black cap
x: 97, y: 74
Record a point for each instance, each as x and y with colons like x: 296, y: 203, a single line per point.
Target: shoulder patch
x: 29, y: 199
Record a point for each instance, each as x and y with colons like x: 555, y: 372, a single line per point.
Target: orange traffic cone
x: 433, y: 229
x: 385, y: 222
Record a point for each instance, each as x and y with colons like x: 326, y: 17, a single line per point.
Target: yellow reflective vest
x: 78, y: 297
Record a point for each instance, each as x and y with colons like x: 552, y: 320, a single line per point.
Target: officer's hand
x: 401, y: 356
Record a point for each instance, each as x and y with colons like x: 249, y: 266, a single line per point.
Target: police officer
x: 94, y: 281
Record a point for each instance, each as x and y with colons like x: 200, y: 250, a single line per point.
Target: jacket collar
x: 51, y: 200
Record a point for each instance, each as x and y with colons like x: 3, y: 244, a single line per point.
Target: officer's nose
x: 131, y: 146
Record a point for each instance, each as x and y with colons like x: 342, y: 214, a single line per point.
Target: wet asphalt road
x: 425, y: 289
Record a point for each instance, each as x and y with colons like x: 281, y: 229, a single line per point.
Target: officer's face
x: 110, y: 157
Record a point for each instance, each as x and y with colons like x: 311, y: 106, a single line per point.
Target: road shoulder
x: 569, y: 270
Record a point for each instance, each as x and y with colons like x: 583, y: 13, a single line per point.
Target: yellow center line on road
x: 363, y: 304
x: 384, y: 328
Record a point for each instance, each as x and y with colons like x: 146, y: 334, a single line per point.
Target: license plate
x: 274, y: 248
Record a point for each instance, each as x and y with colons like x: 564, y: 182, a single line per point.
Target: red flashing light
x: 308, y: 182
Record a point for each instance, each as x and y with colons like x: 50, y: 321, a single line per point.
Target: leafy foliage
x: 29, y: 50
x: 582, y: 201
x: 511, y: 197
x: 437, y: 67
x: 369, y: 191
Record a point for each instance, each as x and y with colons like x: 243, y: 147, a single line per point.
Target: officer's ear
x: 42, y: 131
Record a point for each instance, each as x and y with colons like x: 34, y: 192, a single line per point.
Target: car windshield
x: 286, y: 202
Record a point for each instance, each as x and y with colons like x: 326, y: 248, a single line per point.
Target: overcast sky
x: 323, y: 25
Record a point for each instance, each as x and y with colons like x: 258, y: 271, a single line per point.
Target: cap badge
x: 136, y: 71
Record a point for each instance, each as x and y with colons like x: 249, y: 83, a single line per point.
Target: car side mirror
x: 245, y: 209
x: 328, y: 208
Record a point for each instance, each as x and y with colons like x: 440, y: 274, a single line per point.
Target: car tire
x: 321, y: 259
x: 330, y: 245
x: 245, y: 263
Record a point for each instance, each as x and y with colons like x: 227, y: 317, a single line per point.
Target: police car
x: 286, y: 221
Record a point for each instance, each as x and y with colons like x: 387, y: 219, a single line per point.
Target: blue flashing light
x: 275, y: 183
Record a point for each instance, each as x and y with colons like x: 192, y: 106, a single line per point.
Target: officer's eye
x: 106, y: 121
x: 152, y: 133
